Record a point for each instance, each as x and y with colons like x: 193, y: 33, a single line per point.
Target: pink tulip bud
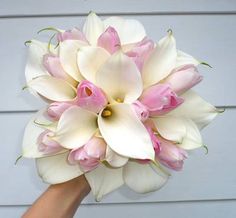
x: 109, y: 40
x: 160, y: 99
x: 171, y: 155
x: 90, y: 97
x: 56, y: 109
x: 74, y: 34
x: 141, y: 51
x: 53, y: 66
x: 88, y: 156
x: 184, y: 78
x: 140, y: 110
x: 47, y: 145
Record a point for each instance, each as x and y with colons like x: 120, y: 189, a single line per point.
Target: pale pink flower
x: 140, y: 110
x: 56, y: 109
x: 171, y: 155
x: 90, y: 97
x: 74, y: 34
x: 184, y: 78
x: 160, y: 99
x: 46, y: 144
x: 109, y: 40
x: 141, y: 51
x: 88, y: 156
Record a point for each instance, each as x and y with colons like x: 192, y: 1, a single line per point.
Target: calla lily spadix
x: 120, y: 108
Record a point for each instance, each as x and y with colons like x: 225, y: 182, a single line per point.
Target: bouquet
x: 120, y: 108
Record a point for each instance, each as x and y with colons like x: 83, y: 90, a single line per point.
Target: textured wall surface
x: 204, y: 28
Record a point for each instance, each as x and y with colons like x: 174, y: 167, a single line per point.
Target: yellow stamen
x: 106, y: 113
x: 119, y: 100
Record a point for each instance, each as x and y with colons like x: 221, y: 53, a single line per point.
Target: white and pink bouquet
x: 120, y: 108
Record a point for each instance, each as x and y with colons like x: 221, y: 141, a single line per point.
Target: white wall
x: 204, y: 28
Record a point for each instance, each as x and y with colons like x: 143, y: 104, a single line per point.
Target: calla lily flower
x: 120, y: 106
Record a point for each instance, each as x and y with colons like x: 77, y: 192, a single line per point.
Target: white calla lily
x: 185, y: 59
x: 89, y: 60
x: 31, y: 134
x: 52, y: 88
x: 93, y: 28
x: 179, y: 129
x: 120, y: 78
x: 161, y: 61
x: 125, y: 133
x: 68, y: 50
x: 104, y: 180
x: 55, y: 169
x: 124, y: 26
x: 196, y: 108
x: 75, y: 127
x: 143, y: 178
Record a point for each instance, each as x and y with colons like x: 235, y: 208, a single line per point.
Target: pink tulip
x: 171, y: 155
x: 74, y: 34
x: 90, y: 97
x: 160, y: 99
x: 141, y: 110
x: 53, y: 66
x: 141, y: 51
x: 109, y: 40
x: 184, y: 78
x: 56, y: 109
x: 89, y: 155
x: 47, y: 145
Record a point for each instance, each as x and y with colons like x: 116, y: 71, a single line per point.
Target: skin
x: 60, y: 200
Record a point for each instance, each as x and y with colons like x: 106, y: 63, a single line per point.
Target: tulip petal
x: 171, y: 128
x: 129, y: 30
x: 93, y: 28
x: 31, y: 134
x: 104, y: 180
x: 125, y: 133
x: 114, y: 159
x: 75, y: 127
x: 55, y: 169
x: 143, y: 178
x: 196, y: 108
x: 89, y: 60
x: 185, y: 59
x: 179, y: 129
x: 120, y: 69
x: 52, y: 88
x: 160, y: 62
x: 68, y: 56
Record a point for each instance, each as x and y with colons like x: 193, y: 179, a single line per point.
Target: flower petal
x: 75, y: 127
x: 55, y: 169
x: 179, y: 129
x: 196, y: 108
x: 185, y: 59
x: 120, y: 69
x: 114, y: 159
x: 52, y: 88
x: 161, y: 61
x: 125, y: 133
x: 143, y: 178
x: 129, y: 30
x: 93, y: 28
x: 90, y: 59
x: 68, y: 56
x: 34, y: 66
x: 170, y: 127
x: 104, y: 180
x: 31, y: 134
